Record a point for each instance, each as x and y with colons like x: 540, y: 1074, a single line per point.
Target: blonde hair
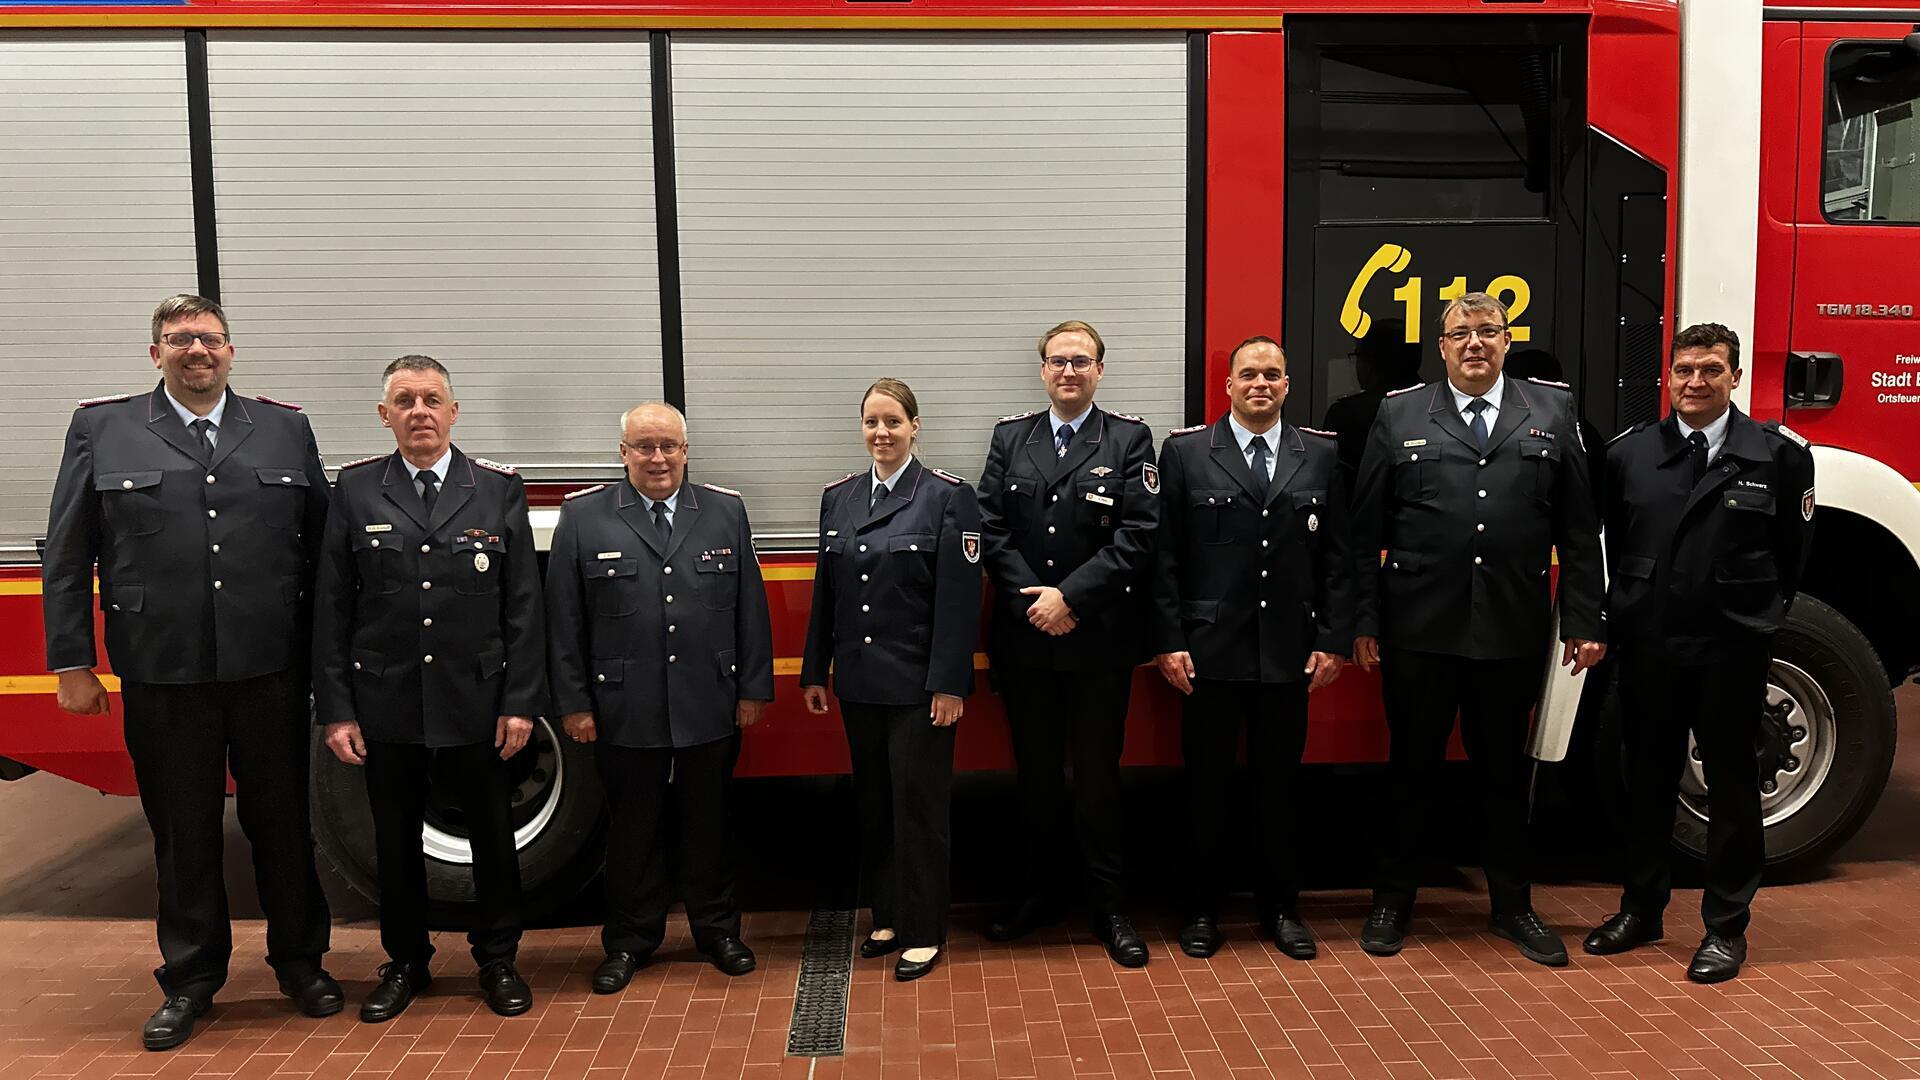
x: 1074, y: 326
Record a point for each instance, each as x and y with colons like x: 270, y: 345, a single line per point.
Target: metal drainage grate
x: 820, y: 1000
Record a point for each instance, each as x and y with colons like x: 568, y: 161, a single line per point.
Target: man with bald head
x: 660, y: 648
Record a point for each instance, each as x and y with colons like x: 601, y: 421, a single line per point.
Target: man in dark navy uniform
x: 430, y: 655
x: 1067, y: 516
x: 202, y: 511
x: 660, y: 648
x: 1252, y: 612
x: 1709, y: 519
x: 1471, y: 486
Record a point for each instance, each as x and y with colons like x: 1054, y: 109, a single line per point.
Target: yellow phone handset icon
x: 1390, y: 257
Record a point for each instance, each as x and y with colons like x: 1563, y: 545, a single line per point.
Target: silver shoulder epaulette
x: 1188, y: 430
x: 1782, y: 429
x: 836, y: 483
x: 366, y: 460
x: 1548, y: 382
x: 947, y: 476
x: 1405, y: 389
x: 276, y: 401
x: 1017, y: 416
x: 723, y: 490
x: 503, y: 470
x: 584, y: 491
x: 1317, y: 431
x: 92, y: 401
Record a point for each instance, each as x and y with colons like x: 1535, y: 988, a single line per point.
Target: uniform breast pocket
x: 377, y: 557
x: 131, y: 501
x: 481, y: 560
x: 1017, y: 502
x: 1748, y: 507
x: 284, y: 496
x: 1212, y: 512
x: 911, y: 558
x: 613, y: 586
x: 1416, y: 475
x: 718, y: 582
x: 1540, y: 467
x: 1310, y: 511
x: 1098, y: 502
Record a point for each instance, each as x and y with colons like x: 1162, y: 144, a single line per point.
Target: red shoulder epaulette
x: 366, y: 460
x: 1405, y: 389
x: 947, y: 476
x: 87, y: 403
x: 1016, y: 416
x: 584, y: 491
x: 1188, y: 430
x: 276, y: 401
x: 1317, y: 431
x: 723, y: 490
x: 503, y: 470
x: 1548, y: 382
x: 842, y: 480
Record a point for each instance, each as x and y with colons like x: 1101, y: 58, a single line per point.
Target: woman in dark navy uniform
x: 896, y: 612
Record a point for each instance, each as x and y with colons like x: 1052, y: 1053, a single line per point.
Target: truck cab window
x: 1870, y: 172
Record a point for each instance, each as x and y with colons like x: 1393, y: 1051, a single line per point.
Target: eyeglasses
x: 1484, y: 333
x: 185, y: 341
x: 1080, y: 364
x: 647, y: 449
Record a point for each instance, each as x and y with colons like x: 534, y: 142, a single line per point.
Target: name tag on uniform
x: 608, y: 555
x: 380, y: 528
x: 1413, y: 443
x: 1101, y: 499
x: 1752, y: 484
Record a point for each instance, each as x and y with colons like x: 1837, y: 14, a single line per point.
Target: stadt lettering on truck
x: 734, y: 206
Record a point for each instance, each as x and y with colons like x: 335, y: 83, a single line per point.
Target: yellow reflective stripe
x: 47, y: 684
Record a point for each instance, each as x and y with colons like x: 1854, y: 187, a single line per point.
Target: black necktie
x: 203, y: 434
x: 879, y: 493
x: 429, y: 488
x: 1699, y: 441
x: 1260, y: 467
x: 1479, y: 407
x: 1064, y: 438
x: 661, y: 523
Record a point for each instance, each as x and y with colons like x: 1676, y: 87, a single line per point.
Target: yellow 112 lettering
x: 1510, y: 289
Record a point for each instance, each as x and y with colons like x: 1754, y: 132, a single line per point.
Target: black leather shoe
x: 506, y: 992
x: 616, y: 971
x: 317, y: 994
x: 1536, y: 942
x: 730, y: 955
x: 1622, y: 931
x: 172, y: 1023
x: 1385, y: 932
x: 1717, y: 960
x: 399, y: 984
x: 1291, y: 935
x: 1201, y: 937
x: 905, y: 970
x: 1020, y: 918
x: 872, y: 947
x: 1124, y: 943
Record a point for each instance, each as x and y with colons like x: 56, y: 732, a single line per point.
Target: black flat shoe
x: 872, y: 948
x: 1386, y: 931
x: 1291, y: 936
x: 1537, y: 943
x: 616, y: 971
x: 1019, y: 919
x: 1621, y: 932
x: 906, y: 970
x: 399, y: 984
x: 317, y: 994
x: 730, y: 955
x: 1201, y: 937
x: 1718, y: 959
x: 1124, y: 943
x: 506, y: 992
x: 172, y: 1023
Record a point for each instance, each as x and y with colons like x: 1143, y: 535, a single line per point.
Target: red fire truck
x: 751, y: 209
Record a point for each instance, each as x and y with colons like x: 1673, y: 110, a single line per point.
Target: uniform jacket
x: 896, y: 593
x: 659, y: 642
x: 1251, y: 587
x: 1082, y: 523
x: 205, y: 568
x: 1470, y: 536
x: 428, y: 630
x: 1700, y: 567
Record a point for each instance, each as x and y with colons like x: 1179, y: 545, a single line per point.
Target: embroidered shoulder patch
x: 970, y: 546
x: 947, y: 476
x: 1187, y: 430
x: 1405, y: 389
x: 503, y: 470
x: 1789, y: 433
x: 1017, y: 416
x: 1150, y: 477
x: 1806, y: 506
x: 584, y: 491
x: 366, y: 460
x: 723, y: 490
x: 831, y: 484
x: 86, y: 403
x: 276, y: 401
x: 1548, y: 382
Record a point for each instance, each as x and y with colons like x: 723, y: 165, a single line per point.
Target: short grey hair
x: 677, y: 415
x: 184, y: 306
x: 1471, y: 303
x: 414, y: 362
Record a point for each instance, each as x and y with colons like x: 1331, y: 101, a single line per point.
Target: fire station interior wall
x: 96, y: 227
x: 921, y: 206
x: 484, y: 198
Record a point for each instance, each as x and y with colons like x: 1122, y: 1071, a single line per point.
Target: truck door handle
x: 1814, y: 380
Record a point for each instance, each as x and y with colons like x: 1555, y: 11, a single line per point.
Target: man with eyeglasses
x: 429, y: 665
x: 201, y: 511
x: 1709, y: 518
x: 1470, y: 486
x: 1069, y: 500
x: 660, y: 645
